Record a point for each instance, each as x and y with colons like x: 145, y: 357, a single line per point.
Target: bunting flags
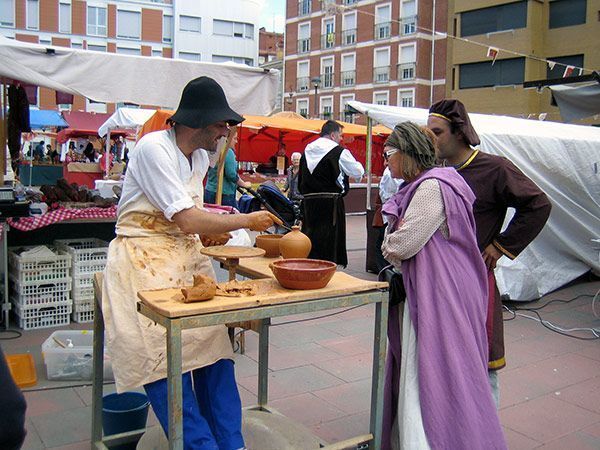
x: 568, y: 71
x: 492, y: 52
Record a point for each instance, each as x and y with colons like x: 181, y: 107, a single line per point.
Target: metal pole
x: 174, y: 384
x: 432, y: 55
x: 368, y: 159
x: 378, y: 376
x: 107, y: 155
x: 316, y: 109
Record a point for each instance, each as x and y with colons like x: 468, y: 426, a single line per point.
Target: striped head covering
x: 455, y: 112
x: 410, y: 139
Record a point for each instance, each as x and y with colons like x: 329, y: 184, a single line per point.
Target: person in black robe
x: 498, y: 185
x: 323, y: 180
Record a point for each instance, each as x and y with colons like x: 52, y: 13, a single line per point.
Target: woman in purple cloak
x: 437, y: 394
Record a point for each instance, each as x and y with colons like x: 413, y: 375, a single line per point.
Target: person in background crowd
x: 498, y: 185
x: 323, y: 181
x: 291, y: 182
x: 53, y: 154
x: 437, y: 394
x: 38, y: 152
x: 89, y: 153
x: 231, y: 179
x: 271, y: 166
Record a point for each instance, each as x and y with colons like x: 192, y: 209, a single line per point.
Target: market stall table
x: 163, y: 307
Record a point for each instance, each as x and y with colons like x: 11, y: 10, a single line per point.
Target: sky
x: 272, y: 15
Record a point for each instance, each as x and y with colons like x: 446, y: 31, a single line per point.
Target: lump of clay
x: 204, y: 288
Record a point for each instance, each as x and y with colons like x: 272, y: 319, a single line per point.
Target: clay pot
x: 295, y: 244
x: 301, y: 273
x: 269, y: 243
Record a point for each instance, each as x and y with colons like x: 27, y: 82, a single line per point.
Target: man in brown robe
x: 498, y: 185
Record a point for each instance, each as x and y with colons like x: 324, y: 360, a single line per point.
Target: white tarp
x: 564, y: 161
x: 114, y: 78
x: 577, y: 102
x: 126, y: 118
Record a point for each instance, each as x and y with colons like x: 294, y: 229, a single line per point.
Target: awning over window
x: 41, y: 118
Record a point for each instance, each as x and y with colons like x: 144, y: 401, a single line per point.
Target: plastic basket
x: 22, y: 369
x: 83, y: 293
x: 83, y: 306
x: 42, y: 288
x: 83, y: 281
x: 88, y: 268
x: 36, y: 269
x: 47, y: 317
x: 89, y: 250
x: 83, y: 316
x: 41, y: 300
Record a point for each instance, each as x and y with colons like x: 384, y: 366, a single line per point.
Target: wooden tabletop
x: 169, y: 302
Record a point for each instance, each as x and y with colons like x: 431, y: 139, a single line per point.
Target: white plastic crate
x: 83, y: 305
x: 88, y: 250
x: 41, y: 289
x: 83, y: 293
x: 45, y: 317
x: 40, y: 300
x: 83, y: 316
x: 35, y: 269
x: 88, y: 268
x: 75, y: 363
x: 83, y: 281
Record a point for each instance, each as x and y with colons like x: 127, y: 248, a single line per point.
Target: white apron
x: 150, y: 252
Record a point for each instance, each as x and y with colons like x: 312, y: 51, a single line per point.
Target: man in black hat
x: 161, y: 228
x: 498, y: 185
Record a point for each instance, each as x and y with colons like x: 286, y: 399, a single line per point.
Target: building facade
x: 565, y: 32
x: 371, y: 51
x: 197, y: 31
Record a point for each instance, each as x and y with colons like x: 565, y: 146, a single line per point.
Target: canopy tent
x: 577, y: 102
x: 82, y: 124
x: 41, y: 118
x: 259, y: 136
x: 561, y: 160
x: 129, y: 118
x: 112, y: 77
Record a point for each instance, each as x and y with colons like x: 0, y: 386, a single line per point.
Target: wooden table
x: 163, y: 307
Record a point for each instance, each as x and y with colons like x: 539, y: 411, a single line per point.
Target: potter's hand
x: 261, y: 220
x: 491, y: 255
x: 210, y: 240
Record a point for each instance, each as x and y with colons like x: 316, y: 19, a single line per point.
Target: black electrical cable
x: 315, y: 318
x: 17, y: 333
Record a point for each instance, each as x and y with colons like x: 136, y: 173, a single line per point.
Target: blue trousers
x: 212, y: 409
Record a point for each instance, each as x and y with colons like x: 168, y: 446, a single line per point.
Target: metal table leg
x: 174, y: 384
x: 379, y: 354
x: 98, y: 367
x: 263, y: 363
x: 6, y: 302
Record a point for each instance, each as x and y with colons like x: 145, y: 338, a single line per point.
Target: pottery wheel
x: 232, y: 251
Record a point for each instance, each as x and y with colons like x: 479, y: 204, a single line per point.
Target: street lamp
x: 316, y: 81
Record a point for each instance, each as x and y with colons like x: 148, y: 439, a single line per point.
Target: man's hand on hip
x: 491, y: 255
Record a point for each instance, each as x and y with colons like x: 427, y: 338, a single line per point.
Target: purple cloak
x: 447, y: 290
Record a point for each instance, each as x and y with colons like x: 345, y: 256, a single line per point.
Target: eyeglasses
x: 388, y: 153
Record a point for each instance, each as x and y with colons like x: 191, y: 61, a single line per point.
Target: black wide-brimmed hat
x: 203, y: 103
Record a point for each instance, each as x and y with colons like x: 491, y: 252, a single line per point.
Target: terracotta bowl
x: 302, y: 273
x: 269, y: 243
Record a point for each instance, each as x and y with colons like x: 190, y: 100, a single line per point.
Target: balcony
x: 304, y: 45
x: 346, y: 116
x: 328, y: 40
x: 326, y: 115
x: 327, y: 80
x: 381, y: 74
x: 348, y: 78
x: 349, y: 37
x: 408, y: 25
x: 304, y: 7
x: 406, y: 71
x: 303, y: 84
x: 349, y: 2
x: 382, y: 31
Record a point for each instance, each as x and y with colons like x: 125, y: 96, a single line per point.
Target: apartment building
x: 565, y: 32
x: 192, y: 30
x: 379, y: 51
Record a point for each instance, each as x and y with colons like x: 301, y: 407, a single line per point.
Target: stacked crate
x: 40, y: 288
x: 89, y: 257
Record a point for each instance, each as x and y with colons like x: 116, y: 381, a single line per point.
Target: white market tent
x: 128, y: 118
x: 114, y: 78
x: 563, y: 160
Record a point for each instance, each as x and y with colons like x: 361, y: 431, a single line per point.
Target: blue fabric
x: 212, y: 409
x: 40, y: 118
x: 230, y: 175
x: 226, y: 200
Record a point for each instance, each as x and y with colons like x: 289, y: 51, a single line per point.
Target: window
x: 128, y: 24
x: 326, y: 108
x: 129, y: 51
x: 189, y: 23
x: 408, y: 17
x: 407, y: 65
x: 96, y: 47
x: 383, y: 15
x: 78, y: 45
x: 156, y: 53
x: 64, y: 18
x: 302, y: 107
x: 96, y: 21
x: 328, y: 36
x: 189, y: 56
x: 381, y: 65
x: 234, y: 29
x: 406, y: 98
x: 303, y: 37
x: 91, y: 106
x: 235, y: 59
x: 503, y: 72
x: 348, y: 70
x: 345, y: 114
x: 303, y: 79
x: 304, y: 7
x: 509, y: 16
x: 33, y: 14
x: 559, y: 70
x: 327, y: 72
x: 381, y: 98
x: 167, y: 30
x: 7, y: 13
x: 565, y: 13
x: 349, y: 29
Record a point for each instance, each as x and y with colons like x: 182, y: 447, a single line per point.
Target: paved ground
x: 320, y: 375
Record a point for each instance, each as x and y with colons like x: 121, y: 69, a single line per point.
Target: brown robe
x: 498, y: 185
